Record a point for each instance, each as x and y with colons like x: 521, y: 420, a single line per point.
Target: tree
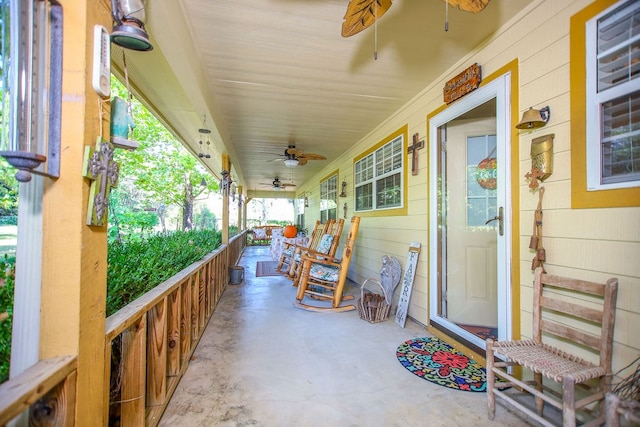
x: 161, y: 169
x: 8, y: 189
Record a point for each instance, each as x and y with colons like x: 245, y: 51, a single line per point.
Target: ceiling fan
x: 293, y: 157
x: 362, y: 14
x: 276, y: 184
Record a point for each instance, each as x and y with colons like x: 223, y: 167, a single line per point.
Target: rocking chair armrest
x: 313, y: 253
x: 295, y: 246
x: 319, y: 257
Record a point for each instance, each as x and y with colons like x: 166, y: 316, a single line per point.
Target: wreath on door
x: 487, y: 173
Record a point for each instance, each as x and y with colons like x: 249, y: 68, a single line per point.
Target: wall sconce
x: 533, y: 119
x: 306, y: 202
x: 240, y: 201
x: 31, y: 122
x: 343, y: 191
x: 129, y: 18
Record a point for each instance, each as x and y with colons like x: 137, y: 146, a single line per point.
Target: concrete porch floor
x: 263, y: 362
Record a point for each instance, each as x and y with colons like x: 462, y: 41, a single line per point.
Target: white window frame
x: 375, y: 177
x: 594, y: 101
x: 329, y: 198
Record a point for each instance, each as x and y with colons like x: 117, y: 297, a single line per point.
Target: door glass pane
x: 468, y: 245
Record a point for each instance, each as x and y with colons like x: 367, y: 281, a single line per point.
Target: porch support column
x: 226, y: 166
x: 240, y: 227
x: 244, y: 212
x: 74, y: 255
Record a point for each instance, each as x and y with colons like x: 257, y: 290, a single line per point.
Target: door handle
x: 498, y: 218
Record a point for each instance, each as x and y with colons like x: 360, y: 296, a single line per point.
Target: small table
x: 277, y: 244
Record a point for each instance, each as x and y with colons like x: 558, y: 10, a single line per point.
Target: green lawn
x: 8, y: 236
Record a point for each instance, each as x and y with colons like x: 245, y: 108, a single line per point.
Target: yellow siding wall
x: 593, y: 244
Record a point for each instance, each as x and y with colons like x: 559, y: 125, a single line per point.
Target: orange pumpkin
x: 290, y: 231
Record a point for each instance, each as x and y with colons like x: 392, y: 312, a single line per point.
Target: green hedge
x: 134, y: 268
x: 139, y: 266
x: 7, y: 276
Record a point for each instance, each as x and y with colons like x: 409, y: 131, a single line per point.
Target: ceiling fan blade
x: 362, y: 14
x: 311, y: 156
x: 473, y: 6
x: 302, y: 161
x: 287, y: 185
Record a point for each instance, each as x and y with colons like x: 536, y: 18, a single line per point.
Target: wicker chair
x: 562, y: 308
x: 324, y: 277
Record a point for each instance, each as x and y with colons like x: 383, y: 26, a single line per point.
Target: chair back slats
x: 576, y: 285
x: 591, y: 308
x: 335, y: 231
x: 571, y: 309
x: 583, y: 338
x: 318, y: 231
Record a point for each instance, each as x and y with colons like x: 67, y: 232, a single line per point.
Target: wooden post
x: 74, y: 255
x: 226, y: 166
x: 240, y: 228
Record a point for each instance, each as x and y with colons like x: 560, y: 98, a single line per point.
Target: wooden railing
x: 47, y: 390
x: 148, y: 345
x: 150, y: 341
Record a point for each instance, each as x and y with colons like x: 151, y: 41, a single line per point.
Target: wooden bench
x: 262, y: 233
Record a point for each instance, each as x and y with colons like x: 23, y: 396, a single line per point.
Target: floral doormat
x: 439, y: 363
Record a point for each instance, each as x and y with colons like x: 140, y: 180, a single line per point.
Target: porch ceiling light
x: 533, y: 119
x: 291, y: 163
x: 129, y: 18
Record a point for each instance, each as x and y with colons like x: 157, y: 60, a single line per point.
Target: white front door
x: 470, y: 258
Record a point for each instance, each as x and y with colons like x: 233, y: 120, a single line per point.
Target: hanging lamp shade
x: 291, y: 163
x: 128, y: 31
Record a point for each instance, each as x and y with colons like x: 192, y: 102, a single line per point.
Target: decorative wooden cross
x: 413, y: 150
x: 100, y: 168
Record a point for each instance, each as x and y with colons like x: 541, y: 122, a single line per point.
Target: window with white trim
x: 329, y: 198
x: 378, y: 178
x: 613, y: 98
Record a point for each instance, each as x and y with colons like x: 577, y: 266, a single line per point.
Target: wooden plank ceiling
x: 269, y: 73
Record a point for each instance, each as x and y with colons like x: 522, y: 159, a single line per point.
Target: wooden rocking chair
x: 289, y: 249
x: 569, y: 310
x: 323, y: 277
x: 327, y: 246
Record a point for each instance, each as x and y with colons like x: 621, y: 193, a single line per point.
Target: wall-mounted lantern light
x: 128, y: 31
x: 343, y: 191
x: 533, y: 119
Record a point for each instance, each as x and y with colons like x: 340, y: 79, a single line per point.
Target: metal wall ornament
x: 343, y: 191
x: 103, y: 171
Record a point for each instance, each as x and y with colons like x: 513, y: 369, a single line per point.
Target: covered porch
x: 261, y: 361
